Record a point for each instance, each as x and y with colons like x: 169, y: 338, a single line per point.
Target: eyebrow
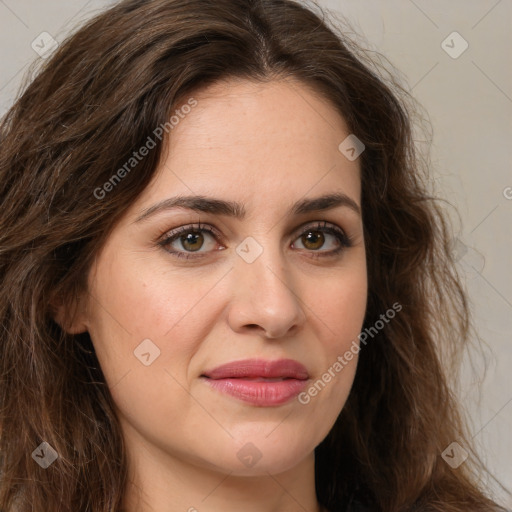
x: 214, y: 206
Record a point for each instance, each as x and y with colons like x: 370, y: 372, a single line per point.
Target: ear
x: 70, y: 315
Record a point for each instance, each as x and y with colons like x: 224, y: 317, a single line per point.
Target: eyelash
x: 323, y: 226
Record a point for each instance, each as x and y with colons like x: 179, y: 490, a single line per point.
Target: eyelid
x: 324, y: 224
x: 199, y: 226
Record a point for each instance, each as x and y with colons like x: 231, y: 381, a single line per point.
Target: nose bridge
x: 261, y: 259
x: 265, y: 294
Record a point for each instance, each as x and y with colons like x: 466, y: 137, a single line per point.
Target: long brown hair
x: 96, y: 100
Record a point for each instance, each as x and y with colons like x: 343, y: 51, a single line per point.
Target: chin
x: 261, y: 454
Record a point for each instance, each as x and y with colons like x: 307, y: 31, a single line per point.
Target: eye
x: 314, y: 238
x: 183, y: 242
x: 187, y: 238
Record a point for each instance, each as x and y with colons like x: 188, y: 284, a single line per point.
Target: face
x: 276, y: 292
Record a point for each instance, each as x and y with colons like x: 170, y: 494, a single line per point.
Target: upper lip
x: 254, y: 368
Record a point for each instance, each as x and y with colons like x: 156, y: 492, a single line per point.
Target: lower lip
x: 259, y: 392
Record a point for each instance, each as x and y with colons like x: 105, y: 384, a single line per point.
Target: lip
x: 259, y: 382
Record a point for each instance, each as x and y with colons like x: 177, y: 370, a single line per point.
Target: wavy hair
x: 73, y: 125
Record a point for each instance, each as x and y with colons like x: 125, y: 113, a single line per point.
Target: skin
x: 265, y: 146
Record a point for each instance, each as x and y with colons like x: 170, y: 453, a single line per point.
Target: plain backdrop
x: 455, y: 58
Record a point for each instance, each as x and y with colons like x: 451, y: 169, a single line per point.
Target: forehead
x: 234, y: 112
x: 242, y: 138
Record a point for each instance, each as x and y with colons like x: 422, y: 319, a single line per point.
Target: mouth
x: 259, y: 382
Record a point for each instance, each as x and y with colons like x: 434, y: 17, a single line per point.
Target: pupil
x: 189, y: 239
x: 311, y: 237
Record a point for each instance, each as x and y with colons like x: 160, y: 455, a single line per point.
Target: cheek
x: 341, y: 304
x: 338, y: 308
x: 135, y: 303
x: 136, y: 299
x: 145, y: 298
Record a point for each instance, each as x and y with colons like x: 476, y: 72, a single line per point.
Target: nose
x: 264, y: 298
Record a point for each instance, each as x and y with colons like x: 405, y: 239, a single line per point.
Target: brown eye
x: 185, y: 241
x: 313, y: 240
x: 192, y: 241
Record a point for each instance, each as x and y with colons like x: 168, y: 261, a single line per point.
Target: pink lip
x: 259, y: 382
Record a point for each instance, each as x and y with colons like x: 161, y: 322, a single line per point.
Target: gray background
x: 469, y: 102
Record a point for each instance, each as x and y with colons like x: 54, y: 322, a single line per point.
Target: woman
x: 212, y: 216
